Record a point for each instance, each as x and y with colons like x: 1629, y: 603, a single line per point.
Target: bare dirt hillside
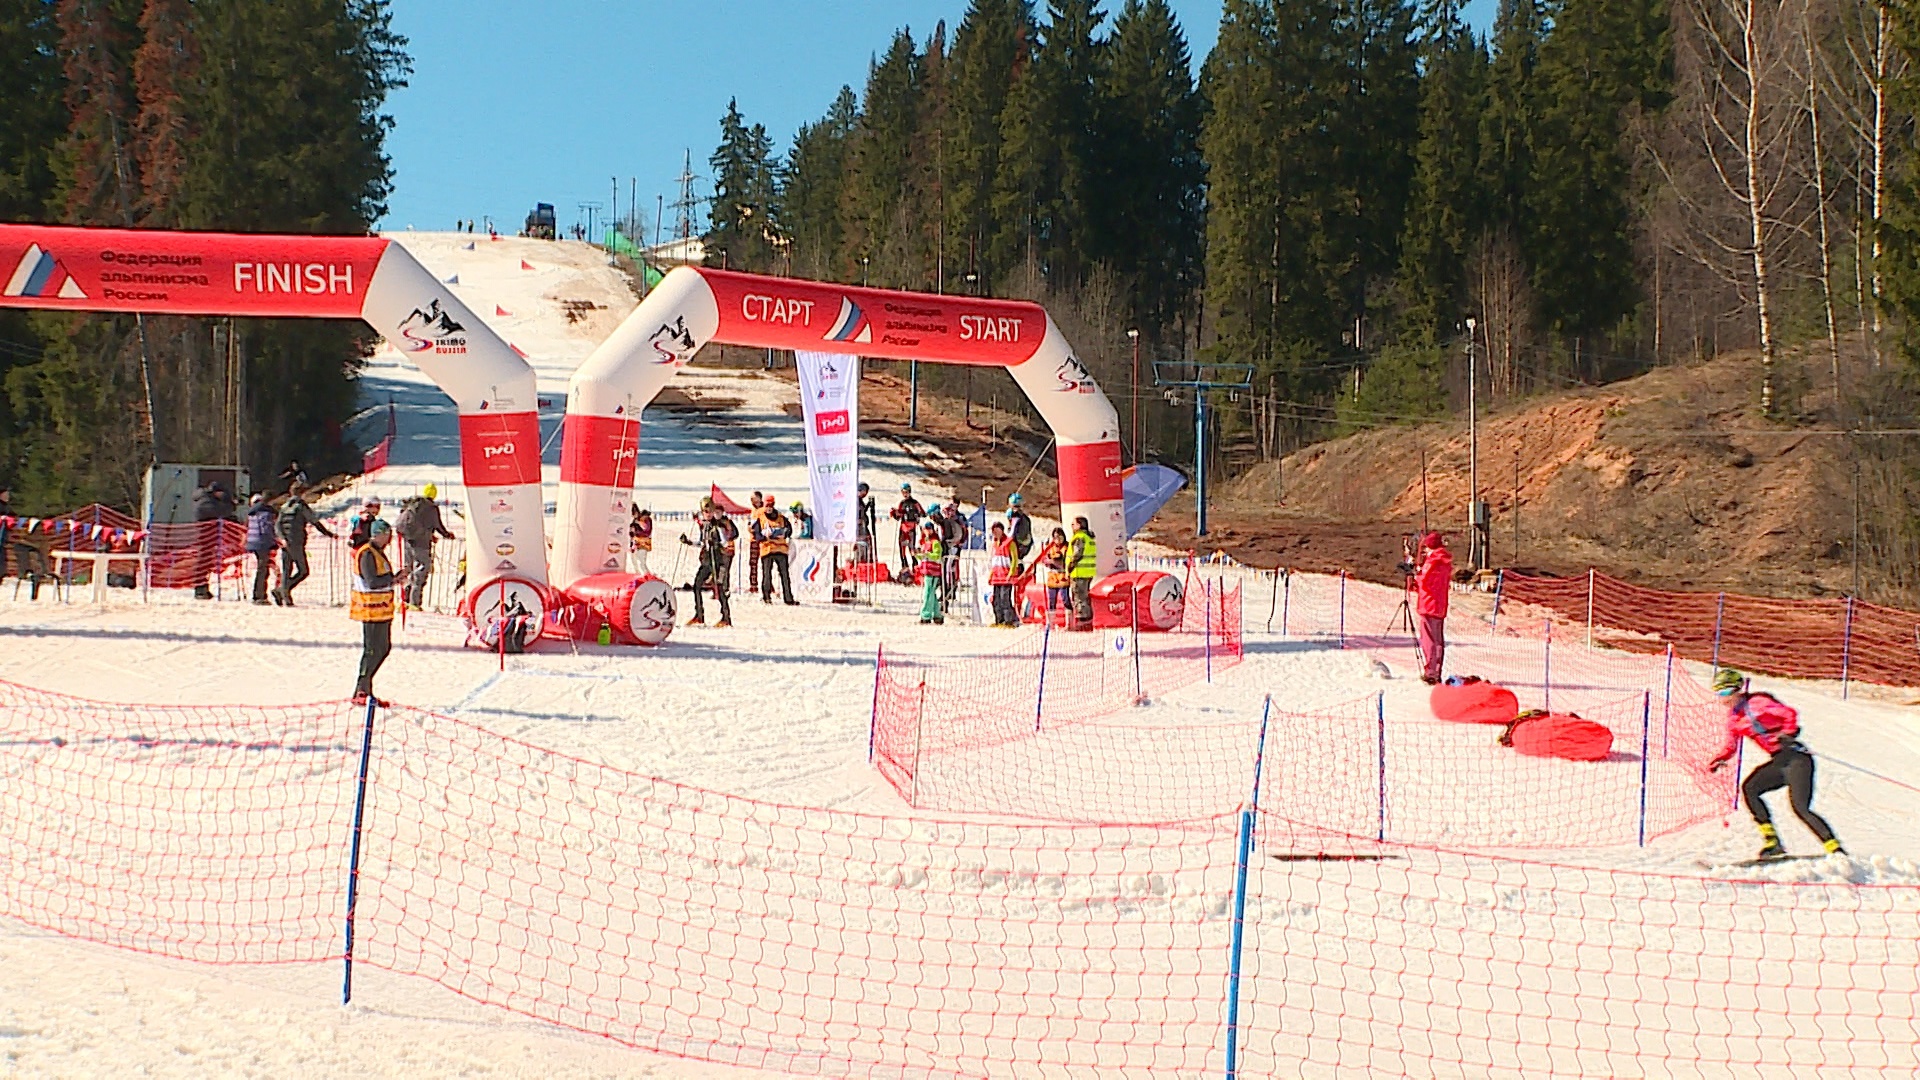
x: 1669, y: 479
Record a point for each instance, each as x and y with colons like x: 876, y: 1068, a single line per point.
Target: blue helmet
x: 1014, y: 499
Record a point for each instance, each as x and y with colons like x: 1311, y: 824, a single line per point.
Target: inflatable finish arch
x: 67, y: 268
x: 694, y: 306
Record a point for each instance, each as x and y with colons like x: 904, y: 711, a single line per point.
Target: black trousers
x: 1004, y: 613
x: 769, y: 563
x: 718, y: 578
x: 262, y: 572
x: 376, y: 641
x: 293, y: 569
x: 1791, y: 768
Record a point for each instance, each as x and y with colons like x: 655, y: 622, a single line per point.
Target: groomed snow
x: 774, y: 709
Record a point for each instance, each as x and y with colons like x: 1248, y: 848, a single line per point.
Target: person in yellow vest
x: 774, y: 533
x: 1082, y: 561
x: 372, y: 607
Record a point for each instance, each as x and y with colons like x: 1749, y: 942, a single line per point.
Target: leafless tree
x: 1731, y: 163
x: 1858, y: 65
x: 1498, y: 280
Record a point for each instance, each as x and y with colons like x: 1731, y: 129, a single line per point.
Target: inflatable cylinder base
x: 1159, y: 597
x: 505, y: 606
x: 638, y: 610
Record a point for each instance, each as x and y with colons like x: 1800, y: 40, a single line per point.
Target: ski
x: 1748, y: 864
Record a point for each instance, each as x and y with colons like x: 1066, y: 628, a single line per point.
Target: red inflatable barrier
x: 869, y: 572
x: 1476, y: 702
x: 1159, y: 596
x: 1559, y: 735
x: 638, y: 610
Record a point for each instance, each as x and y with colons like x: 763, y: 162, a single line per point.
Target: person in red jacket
x: 1432, y: 586
x: 1775, y: 728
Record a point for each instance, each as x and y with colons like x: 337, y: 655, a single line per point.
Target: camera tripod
x: 1403, y: 620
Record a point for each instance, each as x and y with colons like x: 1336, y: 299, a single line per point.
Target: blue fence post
x: 1040, y: 693
x: 1343, y: 609
x: 1666, y: 710
x: 353, y: 858
x: 1739, y: 767
x: 1380, y: 711
x: 873, y: 719
x: 1286, y: 603
x: 1239, y: 939
x: 1260, y: 750
x: 1719, y: 611
x: 1846, y: 653
x: 1646, y: 743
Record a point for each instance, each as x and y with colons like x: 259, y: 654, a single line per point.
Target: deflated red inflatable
x: 1474, y: 701
x: 1559, y: 735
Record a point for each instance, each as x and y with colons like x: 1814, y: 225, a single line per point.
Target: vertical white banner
x: 830, y: 400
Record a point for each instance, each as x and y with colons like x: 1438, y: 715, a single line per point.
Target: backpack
x: 407, y: 523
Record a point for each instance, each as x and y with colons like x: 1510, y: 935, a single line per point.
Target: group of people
x: 770, y: 536
x: 1065, y: 567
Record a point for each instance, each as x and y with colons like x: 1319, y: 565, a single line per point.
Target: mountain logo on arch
x: 431, y: 329
x: 41, y: 276
x: 852, y: 325
x: 673, y: 342
x: 1073, y: 377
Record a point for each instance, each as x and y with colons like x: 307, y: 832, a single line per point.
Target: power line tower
x: 684, y: 206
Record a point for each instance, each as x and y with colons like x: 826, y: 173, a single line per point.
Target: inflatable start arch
x: 56, y: 267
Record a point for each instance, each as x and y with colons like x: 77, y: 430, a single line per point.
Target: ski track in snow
x: 775, y: 709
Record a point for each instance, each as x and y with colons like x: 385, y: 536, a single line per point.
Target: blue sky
x: 512, y: 103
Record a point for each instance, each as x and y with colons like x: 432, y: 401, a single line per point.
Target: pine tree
x: 813, y: 183
x: 1605, y: 61
x: 991, y: 49
x: 1898, y: 267
x: 1446, y: 210
x: 1148, y: 222
x: 1042, y: 196
x: 745, y: 212
x: 32, y: 120
x: 883, y: 151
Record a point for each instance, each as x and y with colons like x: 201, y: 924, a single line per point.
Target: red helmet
x: 1432, y: 540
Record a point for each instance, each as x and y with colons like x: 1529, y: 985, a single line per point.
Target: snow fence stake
x: 919, y: 725
x: 1666, y: 709
x: 1718, y: 611
x: 1499, y: 590
x: 1239, y: 938
x: 1589, y: 609
x: 1343, y: 609
x: 1739, y: 766
x: 873, y: 718
x: 1040, y: 692
x: 1546, y: 669
x: 1846, y: 653
x: 1646, y: 741
x: 1260, y: 750
x: 1380, y: 711
x: 1139, y: 690
x: 1286, y: 602
x: 1207, y: 588
x: 353, y: 858
x: 1274, y: 600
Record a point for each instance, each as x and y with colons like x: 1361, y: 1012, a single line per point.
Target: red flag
x: 728, y: 505
x: 501, y: 312
x: 525, y: 265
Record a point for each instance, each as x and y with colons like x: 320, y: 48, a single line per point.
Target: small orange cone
x: 501, y: 312
x: 525, y: 265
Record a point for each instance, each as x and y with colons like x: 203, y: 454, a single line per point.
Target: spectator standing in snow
x: 295, y: 518
x: 756, y: 507
x: 372, y: 607
x: 953, y: 533
x: 1053, y: 572
x: 1774, y: 727
x: 418, y: 524
x: 1019, y: 525
x: 1433, y: 586
x: 210, y: 503
x: 907, y: 516
x: 802, y: 521
x: 1003, y: 569
x: 1082, y: 563
x: 773, y: 534
x: 715, y: 562
x: 931, y: 553
x: 868, y: 526
x: 261, y: 540
x: 640, y: 537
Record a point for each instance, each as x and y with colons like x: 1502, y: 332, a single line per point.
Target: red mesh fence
x: 1815, y: 639
x: 942, y: 730
x: 830, y: 943
x: 1416, y: 962
x: 788, y: 938
x: 209, y: 834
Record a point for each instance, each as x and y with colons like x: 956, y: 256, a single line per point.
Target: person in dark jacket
x: 372, y: 607
x: 210, y: 503
x: 418, y: 524
x: 908, y: 514
x: 262, y: 538
x: 868, y: 525
x: 294, y: 474
x: 715, y: 564
x: 953, y: 532
x: 1019, y: 525
x: 296, y: 517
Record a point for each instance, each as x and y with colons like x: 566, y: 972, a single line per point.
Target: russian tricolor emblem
x: 852, y: 324
x: 41, y: 277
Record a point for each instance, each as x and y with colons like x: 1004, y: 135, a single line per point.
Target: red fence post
x: 1846, y: 652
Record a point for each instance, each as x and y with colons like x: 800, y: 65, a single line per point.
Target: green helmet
x: 1728, y: 682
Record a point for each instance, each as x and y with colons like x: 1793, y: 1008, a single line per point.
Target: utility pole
x: 1476, y: 548
x: 613, y: 215
x: 1133, y: 395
